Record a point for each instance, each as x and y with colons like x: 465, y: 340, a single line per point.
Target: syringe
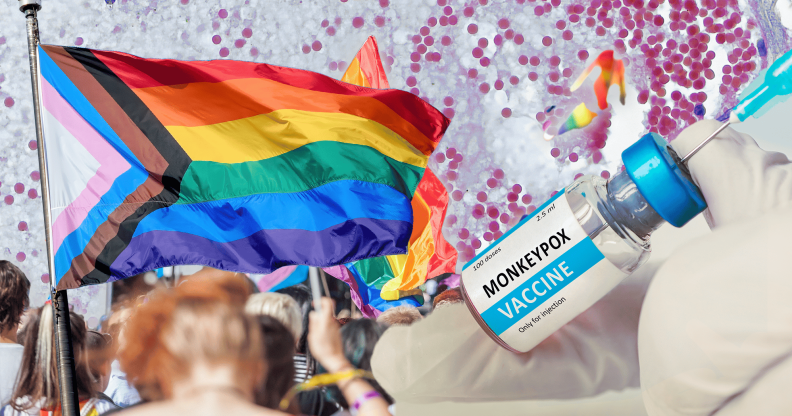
x: 778, y: 81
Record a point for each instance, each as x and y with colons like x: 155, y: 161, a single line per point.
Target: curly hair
x: 201, y: 320
x: 14, y: 287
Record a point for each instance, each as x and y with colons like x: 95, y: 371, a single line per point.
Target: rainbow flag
x: 581, y: 117
x: 429, y: 254
x: 235, y: 165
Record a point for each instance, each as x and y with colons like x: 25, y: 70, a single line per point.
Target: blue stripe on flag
x: 316, y: 209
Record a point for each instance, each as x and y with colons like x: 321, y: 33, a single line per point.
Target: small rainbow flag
x: 581, y: 117
x: 234, y: 165
x: 612, y: 74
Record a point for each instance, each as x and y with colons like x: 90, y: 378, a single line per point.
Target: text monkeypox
x: 525, y: 263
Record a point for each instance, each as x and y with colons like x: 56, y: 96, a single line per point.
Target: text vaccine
x: 570, y: 252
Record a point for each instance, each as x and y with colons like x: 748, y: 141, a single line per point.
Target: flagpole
x: 324, y: 282
x: 60, y: 304
x: 316, y: 290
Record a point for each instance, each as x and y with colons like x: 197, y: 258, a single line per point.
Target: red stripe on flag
x: 142, y: 73
x: 371, y: 65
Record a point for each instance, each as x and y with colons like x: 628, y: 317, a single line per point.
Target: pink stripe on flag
x: 268, y: 281
x: 112, y: 163
x: 342, y: 273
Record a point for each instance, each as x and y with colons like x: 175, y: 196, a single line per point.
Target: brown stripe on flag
x: 84, y: 264
x: 110, y: 111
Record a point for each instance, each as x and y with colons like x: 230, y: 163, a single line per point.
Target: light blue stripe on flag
x: 296, y: 277
x: 577, y: 260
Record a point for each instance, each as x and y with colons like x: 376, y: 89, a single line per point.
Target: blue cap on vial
x: 664, y: 185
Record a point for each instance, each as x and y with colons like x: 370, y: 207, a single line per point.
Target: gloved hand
x: 447, y: 356
x: 715, y: 333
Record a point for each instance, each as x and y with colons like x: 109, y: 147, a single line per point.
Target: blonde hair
x: 37, y: 381
x: 279, y: 306
x: 400, y: 315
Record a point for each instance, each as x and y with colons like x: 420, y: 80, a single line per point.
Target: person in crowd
x: 448, y: 297
x: 118, y: 388
x: 325, y: 342
x: 196, y: 352
x: 23, y: 326
x: 303, y: 363
x: 100, y: 355
x: 14, y: 288
x: 37, y: 389
x: 279, y: 306
x: 359, y: 338
x: 312, y: 402
x: 279, y: 352
x: 400, y: 316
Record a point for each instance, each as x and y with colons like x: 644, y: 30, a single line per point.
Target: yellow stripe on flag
x: 270, y: 135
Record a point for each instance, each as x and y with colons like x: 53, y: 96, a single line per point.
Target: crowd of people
x: 208, y: 345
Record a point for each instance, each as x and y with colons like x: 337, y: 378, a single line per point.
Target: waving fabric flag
x: 365, y: 280
x: 235, y: 165
x: 284, y: 277
x: 366, y: 69
x: 429, y: 254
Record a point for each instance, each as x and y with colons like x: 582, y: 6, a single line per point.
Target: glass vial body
x: 616, y: 216
x: 578, y: 246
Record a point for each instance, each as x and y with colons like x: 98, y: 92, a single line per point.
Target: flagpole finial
x: 28, y: 4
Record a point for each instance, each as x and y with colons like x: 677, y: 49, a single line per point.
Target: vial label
x: 538, y: 276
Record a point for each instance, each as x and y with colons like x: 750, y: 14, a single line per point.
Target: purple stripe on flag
x: 112, y: 164
x: 265, y: 250
x: 268, y: 281
x: 342, y: 273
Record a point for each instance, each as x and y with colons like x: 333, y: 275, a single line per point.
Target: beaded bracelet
x: 363, y: 398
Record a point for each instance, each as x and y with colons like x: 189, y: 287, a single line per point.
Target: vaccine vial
x: 570, y: 252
